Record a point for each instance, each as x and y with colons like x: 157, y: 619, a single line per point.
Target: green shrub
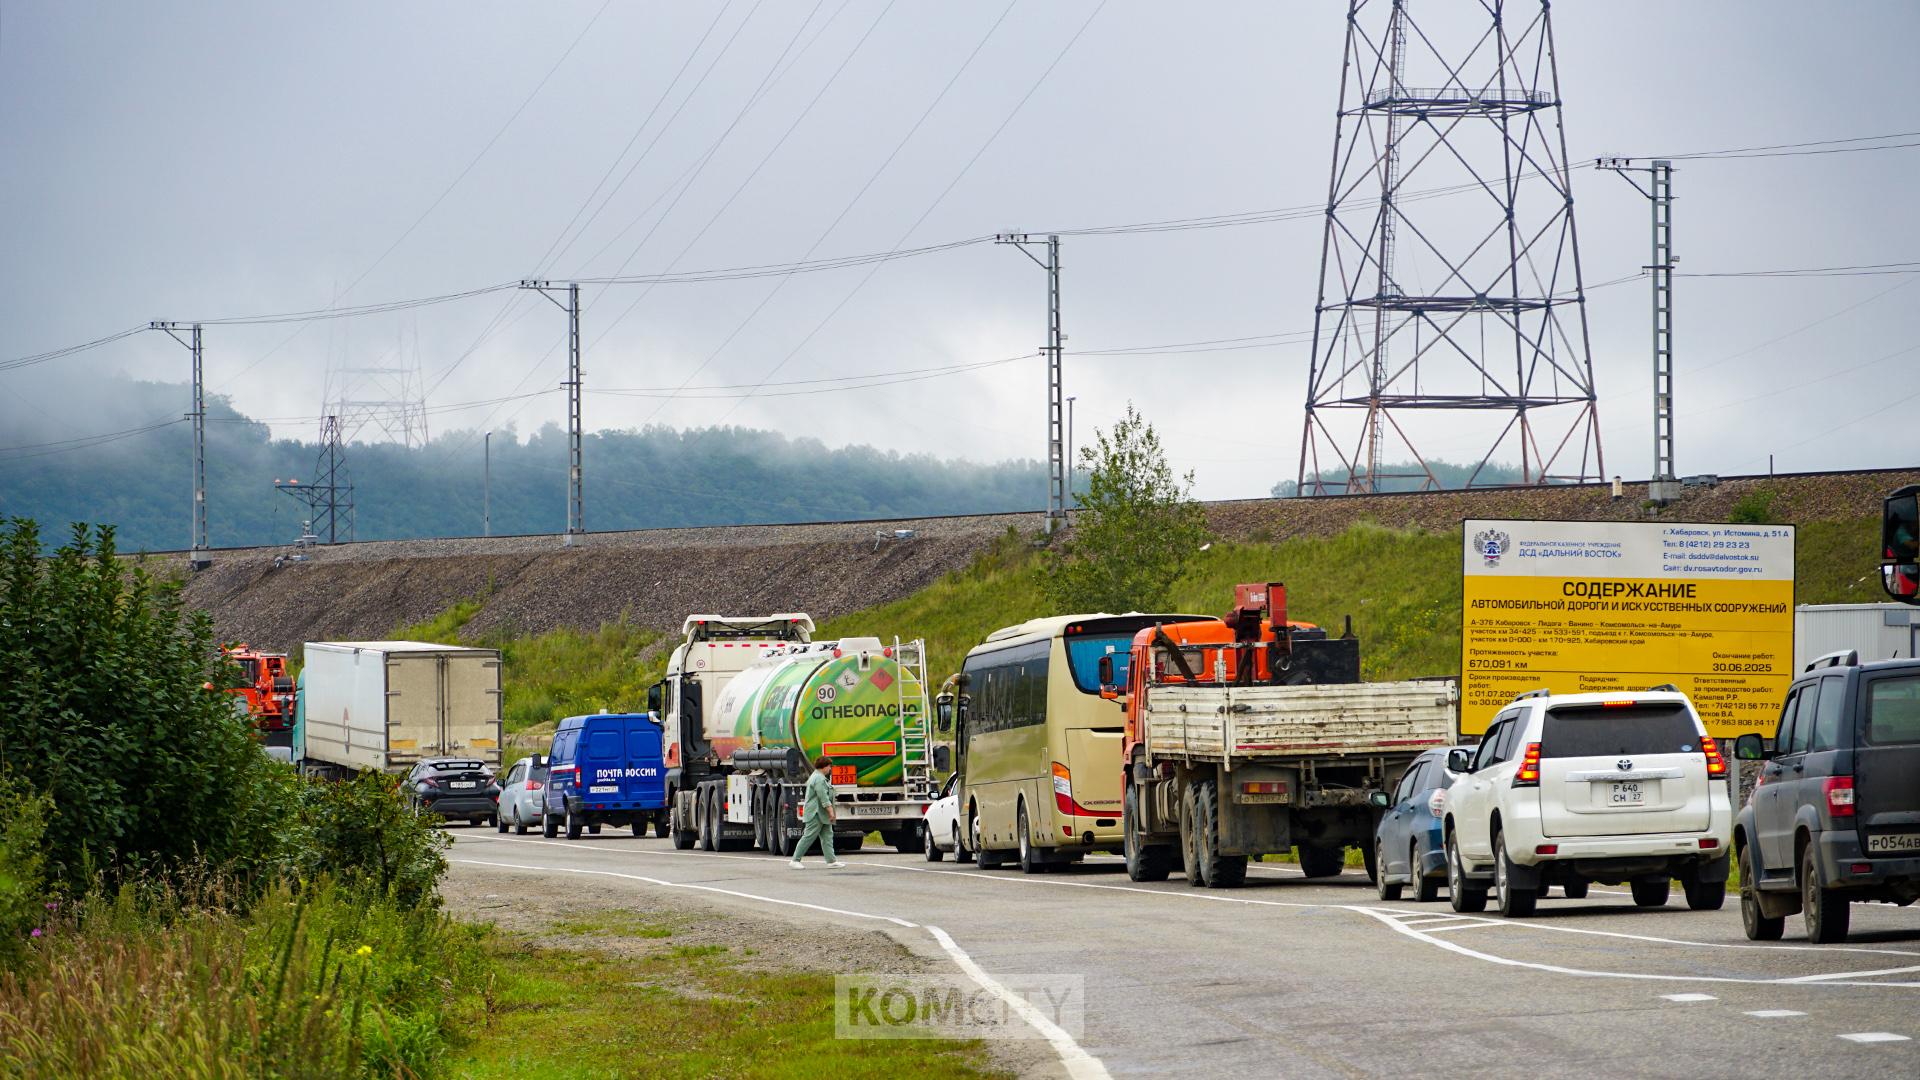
x: 1753, y: 508
x: 24, y: 906
x: 362, y: 834
x: 112, y: 703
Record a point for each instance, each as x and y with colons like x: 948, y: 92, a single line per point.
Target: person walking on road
x: 817, y: 813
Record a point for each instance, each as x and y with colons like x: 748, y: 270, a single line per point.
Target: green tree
x: 1137, y: 528
x: 105, y: 706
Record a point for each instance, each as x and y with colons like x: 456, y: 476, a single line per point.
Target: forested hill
x: 656, y: 477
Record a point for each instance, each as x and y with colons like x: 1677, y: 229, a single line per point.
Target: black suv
x: 1835, y: 815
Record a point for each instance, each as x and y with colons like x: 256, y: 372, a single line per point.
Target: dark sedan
x: 457, y: 789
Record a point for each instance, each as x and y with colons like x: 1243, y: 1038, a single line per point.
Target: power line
x: 55, y: 354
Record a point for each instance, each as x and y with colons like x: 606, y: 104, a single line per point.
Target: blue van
x: 606, y: 769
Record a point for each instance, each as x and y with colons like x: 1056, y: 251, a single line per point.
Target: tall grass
x: 318, y: 982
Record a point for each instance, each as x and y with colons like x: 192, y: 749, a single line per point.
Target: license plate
x: 873, y: 811
x: 464, y: 783
x: 1893, y: 842
x: 604, y: 789
x: 1632, y: 793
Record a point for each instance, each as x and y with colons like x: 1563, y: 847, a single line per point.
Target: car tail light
x: 1437, y: 802
x: 1709, y: 842
x: 1716, y: 765
x: 1546, y: 849
x: 1529, y: 772
x: 1627, y: 703
x: 1062, y: 788
x: 1840, y: 796
x: 533, y: 785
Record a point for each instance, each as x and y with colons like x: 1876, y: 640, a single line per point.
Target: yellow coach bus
x: 1038, y: 749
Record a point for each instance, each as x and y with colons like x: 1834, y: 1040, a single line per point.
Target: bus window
x: 1084, y: 653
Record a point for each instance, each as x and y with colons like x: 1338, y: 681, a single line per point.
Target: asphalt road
x: 1294, y: 979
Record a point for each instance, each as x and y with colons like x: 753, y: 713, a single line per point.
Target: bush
x: 24, y: 907
x: 105, y: 706
x: 360, y: 833
x: 1753, y: 508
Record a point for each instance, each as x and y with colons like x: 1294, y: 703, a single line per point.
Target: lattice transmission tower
x: 1451, y: 319
x: 383, y: 400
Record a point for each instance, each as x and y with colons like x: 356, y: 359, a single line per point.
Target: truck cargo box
x: 383, y: 705
x: 1236, y: 723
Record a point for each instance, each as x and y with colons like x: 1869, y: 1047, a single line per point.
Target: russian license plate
x: 873, y: 811
x: 604, y: 789
x: 463, y: 783
x: 1627, y: 793
x: 1893, y: 842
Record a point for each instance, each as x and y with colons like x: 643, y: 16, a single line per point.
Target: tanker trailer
x: 858, y: 701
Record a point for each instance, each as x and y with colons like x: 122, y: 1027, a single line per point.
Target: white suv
x: 1569, y: 789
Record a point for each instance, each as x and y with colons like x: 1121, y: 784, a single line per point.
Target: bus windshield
x: 1084, y: 653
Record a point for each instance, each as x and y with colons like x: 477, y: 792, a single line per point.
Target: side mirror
x: 1460, y: 760
x: 1900, y: 545
x: 1106, y: 670
x: 653, y: 699
x: 1379, y: 799
x: 943, y: 758
x: 943, y: 713
x: 1750, y: 747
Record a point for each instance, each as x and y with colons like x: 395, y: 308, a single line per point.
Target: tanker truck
x: 860, y: 702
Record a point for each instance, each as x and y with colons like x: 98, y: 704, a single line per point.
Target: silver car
x: 522, y: 795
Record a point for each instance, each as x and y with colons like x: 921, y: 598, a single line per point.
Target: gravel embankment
x: 657, y: 577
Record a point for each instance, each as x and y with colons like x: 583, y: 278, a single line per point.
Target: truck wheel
x: 1825, y: 911
x: 661, y: 825
x: 1145, y: 862
x: 1651, y: 892
x: 783, y: 840
x: 683, y: 838
x: 1425, y: 889
x: 549, y: 828
x: 1757, y: 923
x: 905, y: 840
x: 573, y: 825
x: 1220, y: 871
x: 703, y: 818
x: 961, y: 853
x: 1461, y: 893
x: 1319, y: 862
x: 1388, y: 891
x: 1190, y: 864
x: 1031, y: 861
x: 1515, y: 902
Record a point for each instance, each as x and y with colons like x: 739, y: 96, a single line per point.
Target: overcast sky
x: 198, y: 160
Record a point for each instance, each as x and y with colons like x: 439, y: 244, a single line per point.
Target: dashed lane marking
x: 1775, y: 1014
x: 1683, y: 998
x: 1875, y: 1037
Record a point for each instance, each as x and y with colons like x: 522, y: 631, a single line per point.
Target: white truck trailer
x: 381, y: 706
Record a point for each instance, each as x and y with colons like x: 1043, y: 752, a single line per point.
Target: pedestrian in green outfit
x: 817, y: 813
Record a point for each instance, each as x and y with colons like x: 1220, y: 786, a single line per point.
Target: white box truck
x: 384, y: 705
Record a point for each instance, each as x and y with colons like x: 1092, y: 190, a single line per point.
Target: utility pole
x: 197, y: 545
x: 486, y: 485
x: 575, y: 502
x: 1070, y: 401
x: 1056, y: 449
x: 1664, y: 485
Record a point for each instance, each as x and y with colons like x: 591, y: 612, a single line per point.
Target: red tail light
x: 1062, y: 788
x: 1840, y: 796
x: 533, y: 785
x: 1529, y: 772
x: 1716, y: 765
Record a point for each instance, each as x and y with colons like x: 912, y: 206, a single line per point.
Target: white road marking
x: 1080, y: 1064
x: 1477, y: 924
x: 1391, y: 917
x: 1775, y: 1014
x: 685, y: 885
x: 1689, y: 997
x: 1875, y: 1037
x: 1854, y: 974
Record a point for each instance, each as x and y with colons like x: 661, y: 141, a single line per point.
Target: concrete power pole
x: 1056, y: 409
x: 576, y: 502
x: 197, y: 544
x: 1664, y: 485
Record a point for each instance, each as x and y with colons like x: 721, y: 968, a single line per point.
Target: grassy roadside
x: 617, y: 997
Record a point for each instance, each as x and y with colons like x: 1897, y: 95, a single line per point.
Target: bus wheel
x: 1031, y: 861
x: 984, y: 859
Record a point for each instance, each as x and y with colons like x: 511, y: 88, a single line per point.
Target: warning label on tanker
x: 1600, y: 606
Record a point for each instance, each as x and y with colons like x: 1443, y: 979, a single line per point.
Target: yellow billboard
x: 1599, y: 606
